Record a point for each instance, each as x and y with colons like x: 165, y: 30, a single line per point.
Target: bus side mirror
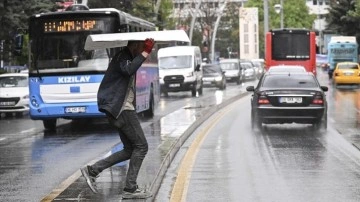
x: 19, y: 41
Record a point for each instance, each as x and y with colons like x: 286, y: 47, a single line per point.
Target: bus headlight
x: 34, y: 102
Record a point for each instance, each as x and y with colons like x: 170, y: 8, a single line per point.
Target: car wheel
x: 256, y: 123
x: 321, y: 124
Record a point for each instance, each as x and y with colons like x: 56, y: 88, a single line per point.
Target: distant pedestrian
x: 117, y: 98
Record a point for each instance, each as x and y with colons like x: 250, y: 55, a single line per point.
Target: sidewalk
x: 164, y: 138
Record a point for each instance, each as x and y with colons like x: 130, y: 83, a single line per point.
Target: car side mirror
x: 324, y: 88
x: 250, y: 88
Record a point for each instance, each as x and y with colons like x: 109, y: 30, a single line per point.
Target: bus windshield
x: 283, y: 46
x: 57, y: 45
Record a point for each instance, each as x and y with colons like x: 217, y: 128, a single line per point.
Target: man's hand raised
x: 149, y: 44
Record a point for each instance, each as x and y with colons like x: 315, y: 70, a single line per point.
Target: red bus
x: 291, y: 47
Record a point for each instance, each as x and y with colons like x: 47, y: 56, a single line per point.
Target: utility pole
x: 266, y: 22
x: 282, y: 14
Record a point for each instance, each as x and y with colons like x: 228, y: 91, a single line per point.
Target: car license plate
x: 348, y: 73
x: 12, y: 103
x: 174, y: 85
x: 206, y: 82
x: 290, y: 99
x: 75, y: 109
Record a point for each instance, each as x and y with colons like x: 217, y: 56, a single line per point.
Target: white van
x: 180, y: 69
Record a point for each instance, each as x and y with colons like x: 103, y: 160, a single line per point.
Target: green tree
x: 14, y: 19
x: 344, y: 17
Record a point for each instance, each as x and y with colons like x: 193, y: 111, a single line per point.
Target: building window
x: 246, y: 49
x: 255, y: 38
x: 246, y: 28
x: 246, y: 38
x: 314, y: 2
x: 255, y: 48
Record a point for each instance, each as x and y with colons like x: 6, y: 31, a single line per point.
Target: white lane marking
x: 29, y: 130
x: 3, y: 138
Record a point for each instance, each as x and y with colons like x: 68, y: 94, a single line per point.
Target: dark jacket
x: 113, y: 89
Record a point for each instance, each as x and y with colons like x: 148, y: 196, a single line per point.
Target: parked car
x: 287, y: 68
x: 346, y: 73
x: 14, y: 93
x: 214, y: 76
x: 233, y: 70
x: 283, y: 97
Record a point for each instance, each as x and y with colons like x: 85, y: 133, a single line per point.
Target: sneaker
x: 137, y: 194
x: 89, y: 179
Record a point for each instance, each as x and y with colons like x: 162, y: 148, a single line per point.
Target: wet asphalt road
x: 280, y: 163
x: 33, y: 162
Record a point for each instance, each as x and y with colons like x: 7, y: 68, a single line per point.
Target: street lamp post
x: 279, y: 8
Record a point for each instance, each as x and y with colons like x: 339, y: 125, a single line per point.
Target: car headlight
x: 189, y: 74
x: 218, y: 78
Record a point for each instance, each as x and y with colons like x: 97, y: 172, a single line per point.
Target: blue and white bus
x: 341, y: 49
x: 64, y: 77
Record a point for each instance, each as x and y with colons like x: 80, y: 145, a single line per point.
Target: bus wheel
x: 49, y: 124
x: 150, y: 112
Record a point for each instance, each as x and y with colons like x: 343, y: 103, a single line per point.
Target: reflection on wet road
x: 34, y: 162
x: 280, y: 163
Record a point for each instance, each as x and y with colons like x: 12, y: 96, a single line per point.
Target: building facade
x: 249, y: 33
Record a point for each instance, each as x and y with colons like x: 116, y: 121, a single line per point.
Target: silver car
x: 14, y: 93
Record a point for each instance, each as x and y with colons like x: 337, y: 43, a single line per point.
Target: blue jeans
x: 135, y: 147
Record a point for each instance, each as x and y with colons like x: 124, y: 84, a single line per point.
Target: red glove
x: 149, y: 44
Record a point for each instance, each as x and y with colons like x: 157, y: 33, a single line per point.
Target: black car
x: 288, y: 97
x: 213, y: 76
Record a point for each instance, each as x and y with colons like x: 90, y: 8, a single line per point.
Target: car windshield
x: 13, y: 81
x: 175, y: 62
x: 347, y: 66
x: 289, y: 81
x: 229, y: 66
x: 211, y: 69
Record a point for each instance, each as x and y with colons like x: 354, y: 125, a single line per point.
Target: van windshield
x: 175, y: 62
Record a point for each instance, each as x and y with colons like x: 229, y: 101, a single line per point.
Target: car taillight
x: 318, y: 100
x: 336, y: 74
x: 263, y: 100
